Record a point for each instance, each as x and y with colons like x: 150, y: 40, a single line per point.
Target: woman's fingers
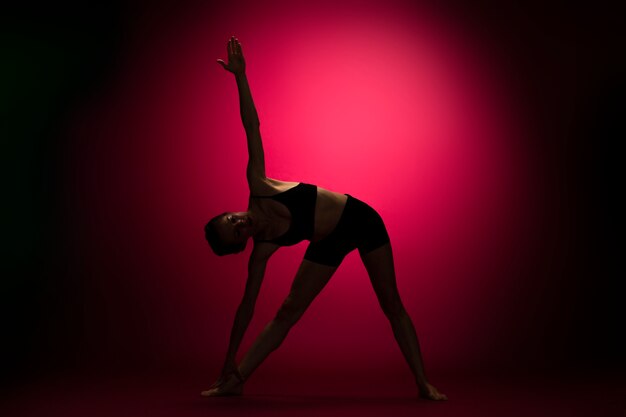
x: 217, y: 383
x: 238, y: 374
x: 234, y: 47
x: 236, y: 62
x: 231, y: 47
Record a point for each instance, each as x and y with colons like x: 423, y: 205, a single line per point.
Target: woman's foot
x: 429, y: 392
x: 232, y: 386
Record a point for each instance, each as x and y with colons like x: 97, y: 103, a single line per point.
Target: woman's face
x: 235, y: 227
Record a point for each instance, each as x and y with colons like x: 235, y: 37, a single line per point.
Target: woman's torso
x: 328, y: 208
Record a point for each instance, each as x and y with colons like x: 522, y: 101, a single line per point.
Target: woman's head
x: 228, y: 233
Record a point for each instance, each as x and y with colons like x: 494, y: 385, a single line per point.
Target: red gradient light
x: 385, y: 102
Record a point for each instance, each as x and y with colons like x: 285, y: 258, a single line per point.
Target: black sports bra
x: 300, y: 200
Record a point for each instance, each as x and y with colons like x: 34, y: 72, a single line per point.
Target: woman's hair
x: 213, y: 237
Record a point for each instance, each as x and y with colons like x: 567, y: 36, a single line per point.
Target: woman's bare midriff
x: 328, y: 211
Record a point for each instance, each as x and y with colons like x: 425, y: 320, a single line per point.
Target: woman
x: 283, y: 213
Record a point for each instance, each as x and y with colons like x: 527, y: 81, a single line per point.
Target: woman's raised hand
x: 236, y: 63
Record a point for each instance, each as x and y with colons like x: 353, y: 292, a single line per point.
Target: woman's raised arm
x: 249, y: 117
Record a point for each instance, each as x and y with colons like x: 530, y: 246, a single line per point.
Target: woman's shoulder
x: 270, y: 186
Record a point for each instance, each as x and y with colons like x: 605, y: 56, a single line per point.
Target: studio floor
x: 292, y: 395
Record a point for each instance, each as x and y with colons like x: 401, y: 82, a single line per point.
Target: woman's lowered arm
x: 249, y: 117
x: 256, y: 272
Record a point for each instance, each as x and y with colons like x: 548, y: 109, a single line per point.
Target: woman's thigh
x: 309, y: 281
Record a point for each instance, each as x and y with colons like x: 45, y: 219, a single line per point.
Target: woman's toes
x: 207, y: 393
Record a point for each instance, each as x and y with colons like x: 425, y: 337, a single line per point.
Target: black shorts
x: 360, y: 226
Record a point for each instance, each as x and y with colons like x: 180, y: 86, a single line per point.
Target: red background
x: 387, y: 104
x: 482, y: 135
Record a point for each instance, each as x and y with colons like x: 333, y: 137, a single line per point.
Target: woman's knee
x: 289, y: 312
x: 391, y: 305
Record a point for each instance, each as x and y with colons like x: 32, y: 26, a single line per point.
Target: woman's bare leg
x: 309, y: 281
x: 381, y: 271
